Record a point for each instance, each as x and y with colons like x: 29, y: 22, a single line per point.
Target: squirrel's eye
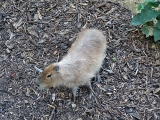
x: 49, y: 75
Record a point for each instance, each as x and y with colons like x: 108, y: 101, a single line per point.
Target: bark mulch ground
x: 38, y: 33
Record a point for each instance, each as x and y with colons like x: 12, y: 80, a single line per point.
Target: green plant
x: 149, y: 18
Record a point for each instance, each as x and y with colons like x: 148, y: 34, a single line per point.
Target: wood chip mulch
x: 40, y: 32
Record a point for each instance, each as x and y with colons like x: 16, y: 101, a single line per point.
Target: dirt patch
x: 38, y: 33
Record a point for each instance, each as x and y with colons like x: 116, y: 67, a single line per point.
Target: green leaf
x: 147, y: 30
x: 156, y: 34
x: 136, y: 20
x: 158, y: 24
x: 147, y: 14
x: 140, y: 6
x: 114, y: 59
x: 153, y: 4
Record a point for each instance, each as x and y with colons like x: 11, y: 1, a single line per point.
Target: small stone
x: 73, y: 105
x: 53, y: 97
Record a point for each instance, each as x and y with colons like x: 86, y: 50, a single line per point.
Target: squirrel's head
x: 49, y: 76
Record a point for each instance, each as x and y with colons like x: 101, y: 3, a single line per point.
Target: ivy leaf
x: 153, y: 4
x: 156, y: 34
x: 147, y: 30
x: 140, y: 6
x: 158, y: 24
x: 147, y: 15
x: 136, y: 20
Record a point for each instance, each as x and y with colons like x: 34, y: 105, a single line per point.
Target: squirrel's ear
x: 56, y: 68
